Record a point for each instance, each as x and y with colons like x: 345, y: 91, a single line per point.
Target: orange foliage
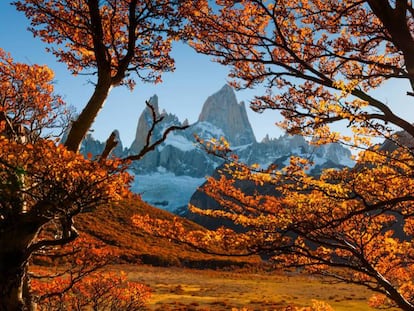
x: 27, y: 99
x: 351, y: 224
x: 319, y: 60
x: 132, y: 245
x: 128, y: 35
x: 100, y: 291
x: 112, y: 40
x: 29, y: 106
x: 75, y: 280
x: 44, y: 164
x: 42, y: 184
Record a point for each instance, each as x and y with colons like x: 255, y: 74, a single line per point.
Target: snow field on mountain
x: 165, y: 189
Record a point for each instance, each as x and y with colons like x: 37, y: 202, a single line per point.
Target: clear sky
x: 182, y: 92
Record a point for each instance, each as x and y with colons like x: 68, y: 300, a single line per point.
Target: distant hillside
x: 112, y: 224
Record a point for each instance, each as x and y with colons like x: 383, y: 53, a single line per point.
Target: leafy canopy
x: 319, y: 61
x: 111, y: 35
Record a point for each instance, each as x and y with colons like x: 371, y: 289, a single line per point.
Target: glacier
x: 165, y: 189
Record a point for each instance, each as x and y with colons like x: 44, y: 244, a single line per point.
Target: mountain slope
x: 112, y: 225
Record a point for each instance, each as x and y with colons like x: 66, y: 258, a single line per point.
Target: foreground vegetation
x: 178, y: 288
x: 113, y: 225
x: 319, y: 61
x: 175, y: 288
x: 181, y: 278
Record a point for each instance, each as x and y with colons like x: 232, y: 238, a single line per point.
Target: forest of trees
x: 319, y: 61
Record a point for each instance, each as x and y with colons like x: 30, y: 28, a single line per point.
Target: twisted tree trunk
x: 12, y: 280
x: 15, y: 241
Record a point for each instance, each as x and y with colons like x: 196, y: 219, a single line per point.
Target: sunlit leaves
x: 116, y: 41
x: 27, y: 99
x: 351, y: 224
x: 318, y: 59
x: 51, y: 173
x: 119, y: 36
x: 222, y: 241
x: 43, y: 185
x: 100, y: 291
x: 77, y: 282
x: 34, y: 169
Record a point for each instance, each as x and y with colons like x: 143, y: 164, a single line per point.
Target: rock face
x: 95, y: 148
x: 144, y: 124
x: 402, y: 138
x: 178, y: 154
x: 222, y: 110
x: 91, y: 146
x: 119, y: 149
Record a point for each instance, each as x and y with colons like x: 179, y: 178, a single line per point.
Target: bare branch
x: 110, y: 144
x: 150, y: 146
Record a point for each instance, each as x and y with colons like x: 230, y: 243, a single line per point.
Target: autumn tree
x: 73, y: 279
x: 41, y: 182
x: 44, y: 184
x: 319, y: 62
x: 109, y: 39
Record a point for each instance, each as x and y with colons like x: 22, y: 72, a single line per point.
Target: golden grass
x: 188, y: 289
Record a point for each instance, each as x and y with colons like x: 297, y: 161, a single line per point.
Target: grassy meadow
x: 190, y: 289
x: 182, y: 278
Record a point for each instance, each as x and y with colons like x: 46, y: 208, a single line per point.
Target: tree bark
x: 12, y: 274
x: 395, y: 21
x: 84, y: 122
x: 13, y: 266
x: 15, y: 241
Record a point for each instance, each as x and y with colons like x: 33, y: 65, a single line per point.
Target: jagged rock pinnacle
x: 143, y: 126
x: 222, y: 110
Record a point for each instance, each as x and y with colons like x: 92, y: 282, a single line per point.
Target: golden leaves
x: 318, y: 60
x: 82, y: 284
x: 27, y: 99
x: 54, y: 173
x: 352, y: 218
x: 112, y: 36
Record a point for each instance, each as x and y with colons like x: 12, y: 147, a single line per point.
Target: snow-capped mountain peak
x: 224, y: 112
x: 182, y: 166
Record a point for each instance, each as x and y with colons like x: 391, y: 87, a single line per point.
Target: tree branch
x: 151, y: 146
x: 110, y: 144
x: 68, y: 235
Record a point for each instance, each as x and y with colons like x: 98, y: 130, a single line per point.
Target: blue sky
x: 183, y: 92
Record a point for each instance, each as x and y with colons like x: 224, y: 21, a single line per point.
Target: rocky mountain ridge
x: 222, y: 110
x: 168, y: 176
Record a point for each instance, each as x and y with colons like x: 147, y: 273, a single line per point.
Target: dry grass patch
x: 187, y: 289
